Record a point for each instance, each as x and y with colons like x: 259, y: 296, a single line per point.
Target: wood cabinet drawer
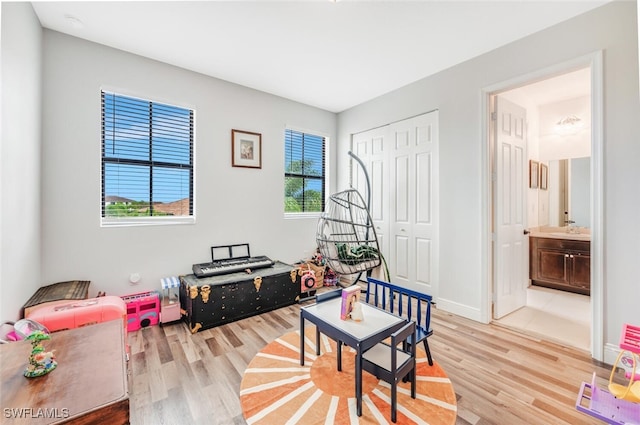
x: 563, y: 244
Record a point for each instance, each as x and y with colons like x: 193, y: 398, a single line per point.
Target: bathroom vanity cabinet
x: 560, y: 264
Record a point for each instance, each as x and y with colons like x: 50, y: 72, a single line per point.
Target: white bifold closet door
x: 370, y: 147
x: 414, y: 202
x: 402, y: 160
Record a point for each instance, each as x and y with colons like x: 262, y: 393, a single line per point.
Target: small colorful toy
x: 630, y: 349
x: 603, y: 405
x: 330, y: 278
x: 630, y: 341
x: 40, y: 362
x: 619, y: 405
x: 17, y: 331
x: 7, y: 332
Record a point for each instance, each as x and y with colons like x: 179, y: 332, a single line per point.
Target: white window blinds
x: 147, y: 158
x: 304, y: 172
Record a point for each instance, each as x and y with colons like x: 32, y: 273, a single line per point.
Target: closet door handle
x: 526, y: 232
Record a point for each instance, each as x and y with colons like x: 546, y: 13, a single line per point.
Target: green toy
x: 40, y: 362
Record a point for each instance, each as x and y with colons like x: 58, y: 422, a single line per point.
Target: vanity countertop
x: 559, y: 233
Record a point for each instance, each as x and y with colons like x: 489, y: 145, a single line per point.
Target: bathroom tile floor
x: 560, y: 316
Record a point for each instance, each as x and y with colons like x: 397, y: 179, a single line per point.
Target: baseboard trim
x: 611, y: 352
x: 459, y: 309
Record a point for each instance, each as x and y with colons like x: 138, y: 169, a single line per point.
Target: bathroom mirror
x: 568, y: 190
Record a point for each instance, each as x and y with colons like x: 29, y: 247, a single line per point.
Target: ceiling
x: 559, y: 88
x: 331, y: 55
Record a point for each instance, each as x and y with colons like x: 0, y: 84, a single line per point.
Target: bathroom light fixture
x: 569, y: 125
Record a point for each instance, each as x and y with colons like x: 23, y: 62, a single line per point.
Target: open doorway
x: 569, y: 90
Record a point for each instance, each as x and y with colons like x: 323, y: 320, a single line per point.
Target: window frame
x: 146, y: 220
x: 325, y: 174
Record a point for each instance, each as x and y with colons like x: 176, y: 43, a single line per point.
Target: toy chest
x: 57, y: 317
x: 143, y: 310
x: 216, y: 300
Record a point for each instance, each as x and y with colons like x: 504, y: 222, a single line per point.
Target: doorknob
x: 526, y: 232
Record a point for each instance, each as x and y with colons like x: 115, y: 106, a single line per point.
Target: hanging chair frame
x: 345, y: 235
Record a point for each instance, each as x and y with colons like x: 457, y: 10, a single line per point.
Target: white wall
x: 456, y: 93
x: 20, y: 203
x: 233, y: 205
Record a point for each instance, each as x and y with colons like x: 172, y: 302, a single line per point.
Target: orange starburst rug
x: 275, y: 389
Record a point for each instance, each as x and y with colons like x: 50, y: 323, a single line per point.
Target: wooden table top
x: 91, y: 374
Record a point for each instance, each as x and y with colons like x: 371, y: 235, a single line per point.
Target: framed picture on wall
x: 544, y: 176
x: 533, y: 174
x: 246, y: 149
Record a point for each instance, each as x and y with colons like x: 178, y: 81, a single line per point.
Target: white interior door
x: 370, y: 147
x: 414, y: 208
x: 510, y: 272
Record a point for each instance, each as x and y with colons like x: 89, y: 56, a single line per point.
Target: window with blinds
x: 304, y: 172
x: 147, y: 161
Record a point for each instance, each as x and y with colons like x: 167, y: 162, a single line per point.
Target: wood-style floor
x: 499, y: 375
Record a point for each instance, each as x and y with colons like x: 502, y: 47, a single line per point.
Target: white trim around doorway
x: 595, y: 62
